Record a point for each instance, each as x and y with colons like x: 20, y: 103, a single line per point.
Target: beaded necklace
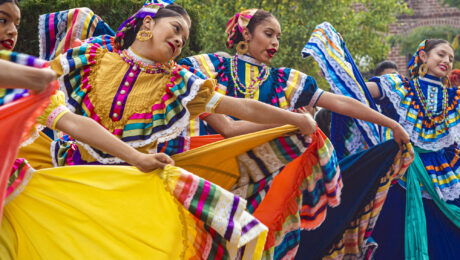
x: 146, y: 65
x: 429, y: 113
x: 255, y: 83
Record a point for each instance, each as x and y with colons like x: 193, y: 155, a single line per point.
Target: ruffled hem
x: 228, y: 218
x: 395, y: 99
x: 298, y: 179
x: 26, y: 174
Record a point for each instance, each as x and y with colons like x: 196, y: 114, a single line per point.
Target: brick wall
x: 425, y: 13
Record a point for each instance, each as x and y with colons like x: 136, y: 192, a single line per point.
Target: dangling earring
x: 144, y: 35
x: 242, y: 47
x: 422, y: 70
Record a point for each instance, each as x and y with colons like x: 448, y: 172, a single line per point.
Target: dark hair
x: 386, y: 64
x: 430, y: 44
x: 16, y: 2
x: 259, y: 16
x: 172, y: 10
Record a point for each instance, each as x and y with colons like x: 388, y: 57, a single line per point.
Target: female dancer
x: 256, y: 34
x: 156, y: 101
x: 427, y: 107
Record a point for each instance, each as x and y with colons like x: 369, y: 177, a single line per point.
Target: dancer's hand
x: 150, y: 162
x: 400, y: 135
x: 305, y: 123
x: 38, y: 83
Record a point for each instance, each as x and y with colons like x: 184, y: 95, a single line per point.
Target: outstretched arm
x: 258, y: 112
x: 13, y: 75
x: 228, y: 127
x: 352, y: 108
x: 88, y: 131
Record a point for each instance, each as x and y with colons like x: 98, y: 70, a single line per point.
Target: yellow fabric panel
x: 38, y: 153
x: 101, y: 212
x: 217, y: 162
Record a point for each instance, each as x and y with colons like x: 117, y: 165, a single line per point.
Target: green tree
x: 453, y: 3
x: 362, y: 23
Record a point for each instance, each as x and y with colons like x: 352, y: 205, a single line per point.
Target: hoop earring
x: 242, y: 47
x: 144, y: 35
x: 422, y: 70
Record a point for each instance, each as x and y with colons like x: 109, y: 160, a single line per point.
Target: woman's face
x: 264, y: 41
x: 10, y: 15
x: 169, y: 37
x: 439, y: 60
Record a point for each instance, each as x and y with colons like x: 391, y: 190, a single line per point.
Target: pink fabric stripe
x: 52, y: 33
x: 90, y: 107
x: 162, y: 104
x: 20, y: 178
x: 204, y: 196
x: 70, y: 32
x: 254, y: 204
x: 287, y: 148
x: 141, y: 116
x: 117, y: 132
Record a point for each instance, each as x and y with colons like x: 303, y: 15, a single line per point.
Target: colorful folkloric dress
x: 290, y: 89
x: 117, y: 212
x: 421, y: 217
x: 134, y: 107
x: 430, y: 112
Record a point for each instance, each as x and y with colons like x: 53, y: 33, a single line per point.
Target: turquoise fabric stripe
x: 416, y: 240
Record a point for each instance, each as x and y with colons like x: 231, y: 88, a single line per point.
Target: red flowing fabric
x: 197, y: 141
x: 17, y: 118
x: 280, y: 200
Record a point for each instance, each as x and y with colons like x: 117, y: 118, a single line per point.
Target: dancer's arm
x: 258, y: 112
x: 228, y: 127
x: 373, y: 89
x: 13, y: 75
x: 353, y: 108
x: 88, y: 131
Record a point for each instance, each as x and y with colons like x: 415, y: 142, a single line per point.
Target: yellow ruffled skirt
x: 117, y: 212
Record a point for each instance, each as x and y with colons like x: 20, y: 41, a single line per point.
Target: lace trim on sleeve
x: 297, y: 93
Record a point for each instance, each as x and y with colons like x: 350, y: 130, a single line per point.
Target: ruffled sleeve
x: 210, y: 65
x: 75, y: 68
x: 206, y: 98
x: 299, y: 89
x: 55, y: 110
x: 400, y: 102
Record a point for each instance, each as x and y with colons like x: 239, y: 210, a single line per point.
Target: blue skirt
x: 443, y: 235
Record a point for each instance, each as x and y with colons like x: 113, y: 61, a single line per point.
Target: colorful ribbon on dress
x: 58, y: 31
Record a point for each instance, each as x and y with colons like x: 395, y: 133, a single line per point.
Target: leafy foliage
x: 453, y: 3
x: 409, y: 42
x: 362, y: 23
